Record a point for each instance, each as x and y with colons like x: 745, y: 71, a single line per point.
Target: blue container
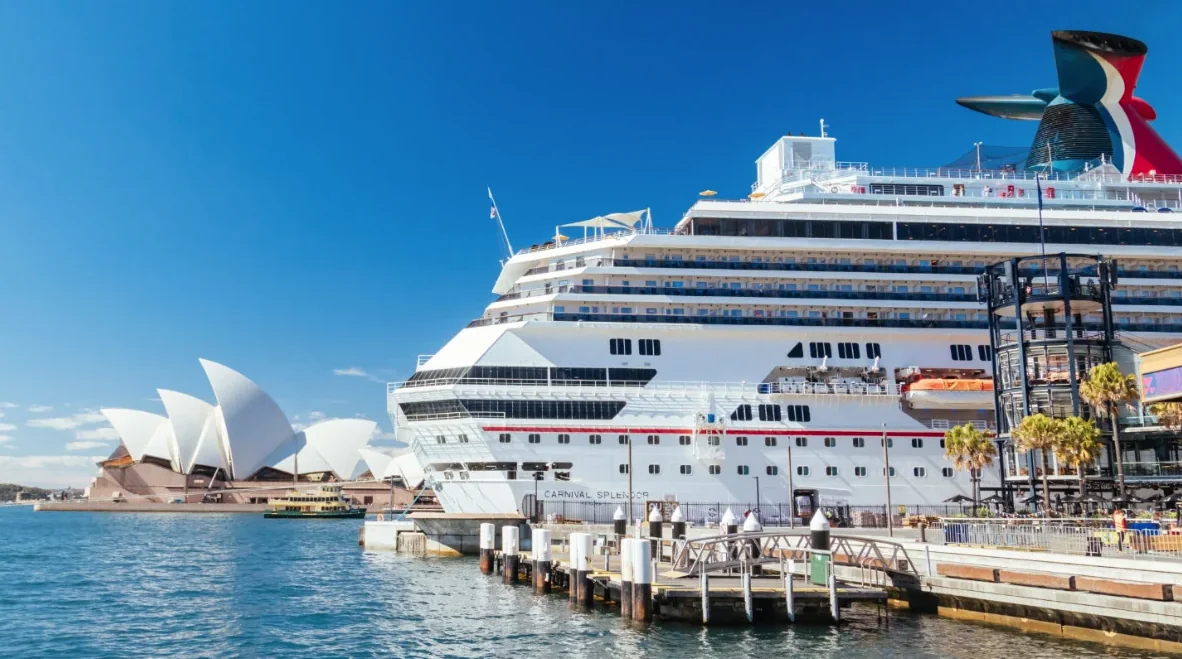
x: 710, y: 418
x: 956, y: 533
x: 1145, y: 527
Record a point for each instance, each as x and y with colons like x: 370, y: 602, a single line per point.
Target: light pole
x: 886, y: 472
x: 791, y: 494
x: 628, y: 440
x: 757, y: 495
x: 978, y: 145
x: 537, y: 477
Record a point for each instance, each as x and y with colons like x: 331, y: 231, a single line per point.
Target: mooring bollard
x: 728, y: 527
x: 510, y: 548
x: 540, y: 541
x: 819, y: 541
x: 705, y: 598
x: 620, y: 523
x: 751, y: 547
x: 583, y: 569
x: 655, y: 521
x: 678, y: 521
x: 626, y: 577
x: 488, y: 546
x: 572, y: 581
x: 642, y: 580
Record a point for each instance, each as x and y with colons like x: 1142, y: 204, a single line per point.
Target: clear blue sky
x: 293, y: 188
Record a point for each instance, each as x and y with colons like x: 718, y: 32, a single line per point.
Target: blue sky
x: 298, y: 189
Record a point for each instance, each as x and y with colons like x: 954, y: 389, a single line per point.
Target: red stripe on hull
x: 729, y: 431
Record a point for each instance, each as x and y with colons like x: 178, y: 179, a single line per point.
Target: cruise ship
x: 764, y: 349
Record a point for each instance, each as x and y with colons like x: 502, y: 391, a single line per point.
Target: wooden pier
x: 729, y: 579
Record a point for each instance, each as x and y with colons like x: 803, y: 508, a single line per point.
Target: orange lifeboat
x: 949, y: 394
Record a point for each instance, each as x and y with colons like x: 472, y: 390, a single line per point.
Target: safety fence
x: 769, y: 514
x: 1081, y: 537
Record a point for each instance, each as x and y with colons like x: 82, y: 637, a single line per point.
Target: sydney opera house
x: 242, y: 449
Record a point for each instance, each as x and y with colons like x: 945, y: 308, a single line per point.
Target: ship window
x: 714, y: 470
x: 802, y: 470
x: 740, y: 441
x: 769, y: 413
x: 830, y: 442
x: 440, y: 439
x: 860, y: 472
x: 859, y: 442
x: 654, y: 469
x: 463, y: 438
x: 741, y: 413
x: 892, y: 472
x: 947, y: 472
x: 772, y: 470
x: 684, y: 440
x: 941, y: 443
x: 830, y: 471
x: 920, y: 472
x: 819, y: 349
x: 802, y: 441
x: 595, y: 439
x: 873, y: 350
x: 714, y: 440
x: 623, y: 469
x: 985, y: 353
x: 743, y: 470
x: 916, y: 442
x: 769, y: 441
x: 650, y: 347
x: 797, y: 350
x: 686, y: 470
x: 562, y: 475
x: 623, y: 439
x: 535, y: 439
x: 849, y: 351
x: 564, y: 439
x: 961, y: 352
x: 653, y: 440
x: 890, y: 443
x: 620, y: 346
x: 799, y: 413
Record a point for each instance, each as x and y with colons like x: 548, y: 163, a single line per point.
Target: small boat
x: 325, y: 502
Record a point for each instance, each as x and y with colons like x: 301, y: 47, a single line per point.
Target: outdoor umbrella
x: 959, y: 498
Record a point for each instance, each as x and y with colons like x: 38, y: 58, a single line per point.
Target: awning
x: 611, y: 221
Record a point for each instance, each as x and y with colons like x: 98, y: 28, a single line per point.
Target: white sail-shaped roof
x: 196, y: 431
x: 338, y: 441
x: 254, y: 425
x: 163, y: 446
x: 406, y: 466
x: 136, y: 429
x: 376, y: 461
x: 310, y: 461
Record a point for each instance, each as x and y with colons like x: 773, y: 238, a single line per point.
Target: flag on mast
x: 495, y: 214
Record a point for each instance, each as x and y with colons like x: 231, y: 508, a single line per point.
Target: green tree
x: 1039, y: 432
x: 1079, y: 446
x: 1107, y: 389
x: 1168, y: 414
x: 969, y: 448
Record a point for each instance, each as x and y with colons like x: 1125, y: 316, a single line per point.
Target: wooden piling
x: 642, y: 580
x: 540, y: 540
x: 575, y: 543
x: 626, y: 578
x: 510, y: 548
x: 488, y: 545
x: 586, y: 589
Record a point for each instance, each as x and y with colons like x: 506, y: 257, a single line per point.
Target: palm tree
x: 1079, y: 446
x: 1039, y: 432
x: 1106, y: 390
x: 971, y: 449
x: 1168, y: 414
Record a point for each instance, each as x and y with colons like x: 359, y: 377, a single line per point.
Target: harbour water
x: 177, y: 585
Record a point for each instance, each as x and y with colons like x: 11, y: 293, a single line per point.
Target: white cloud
x: 356, y: 372
x: 301, y: 421
x: 85, y: 418
x: 49, y: 470
x: 102, y: 434
x: 40, y: 409
x: 4, y: 427
x: 7, y: 405
x: 4, y: 439
x: 84, y: 446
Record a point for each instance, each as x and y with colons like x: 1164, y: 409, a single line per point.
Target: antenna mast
x: 823, y: 128
x: 496, y: 214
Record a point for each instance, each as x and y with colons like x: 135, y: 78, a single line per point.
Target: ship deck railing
x: 843, y: 168
x: 839, y: 387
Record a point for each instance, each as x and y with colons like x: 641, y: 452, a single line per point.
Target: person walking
x: 1120, y: 522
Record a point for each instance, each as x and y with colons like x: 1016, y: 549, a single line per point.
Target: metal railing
x: 769, y: 514
x: 1144, y: 540
x: 593, y: 238
x: 841, y: 388
x: 724, y: 553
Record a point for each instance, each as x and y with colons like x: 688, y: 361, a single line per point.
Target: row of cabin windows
x: 648, y: 347
x: 799, y: 413
x: 963, y: 352
x: 860, y: 472
x: 714, y: 470
x: 845, y: 350
x: 802, y: 470
x: 686, y: 440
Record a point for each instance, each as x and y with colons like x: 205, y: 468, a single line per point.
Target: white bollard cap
x: 576, y: 546
x: 586, y: 544
x: 819, y: 523
x: 655, y: 515
x: 626, y: 560
x: 642, y: 566
x: 510, y: 539
x: 488, y: 536
x: 619, y: 514
x: 751, y: 524
x: 541, y: 544
x: 728, y: 518
x: 677, y: 516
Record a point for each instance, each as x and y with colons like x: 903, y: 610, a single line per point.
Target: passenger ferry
x: 776, y: 342
x: 325, y: 502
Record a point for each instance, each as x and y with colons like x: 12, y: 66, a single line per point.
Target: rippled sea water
x: 232, y: 585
